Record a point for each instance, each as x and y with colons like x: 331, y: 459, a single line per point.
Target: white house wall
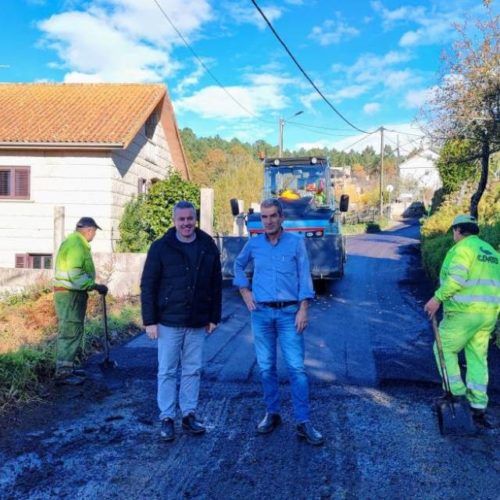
x: 142, y: 159
x: 79, y: 181
x: 422, y: 168
x: 93, y: 184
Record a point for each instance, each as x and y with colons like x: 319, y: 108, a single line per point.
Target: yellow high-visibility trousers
x: 469, y: 332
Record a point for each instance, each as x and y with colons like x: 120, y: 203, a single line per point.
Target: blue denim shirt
x: 281, y: 271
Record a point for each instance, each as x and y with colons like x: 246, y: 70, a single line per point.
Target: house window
x: 34, y: 261
x: 142, y: 186
x: 15, y: 183
x: 150, y: 125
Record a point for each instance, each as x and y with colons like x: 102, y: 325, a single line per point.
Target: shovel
x: 107, y: 364
x: 454, y: 415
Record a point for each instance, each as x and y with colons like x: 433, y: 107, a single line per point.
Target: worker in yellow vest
x: 470, y: 293
x: 74, y: 278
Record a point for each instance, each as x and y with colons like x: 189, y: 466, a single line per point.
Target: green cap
x: 463, y: 219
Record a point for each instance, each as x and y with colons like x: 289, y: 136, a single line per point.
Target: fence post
x: 207, y: 210
x: 59, y: 219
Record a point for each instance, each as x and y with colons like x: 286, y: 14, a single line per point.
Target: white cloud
x: 397, y: 79
x: 241, y: 14
x: 371, y: 70
x: 192, y: 79
x: 438, y: 30
x: 349, y: 92
x: 333, y: 31
x: 371, y: 108
x: 433, y: 26
x: 402, y: 13
x: 121, y: 40
x: 414, y: 99
x: 265, y: 94
x: 308, y: 100
x: 407, y: 132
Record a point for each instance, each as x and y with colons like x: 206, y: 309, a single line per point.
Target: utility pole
x: 381, y: 204
x: 281, y: 124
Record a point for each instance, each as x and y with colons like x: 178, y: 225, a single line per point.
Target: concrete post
x: 239, y: 228
x: 207, y: 210
x: 59, y: 219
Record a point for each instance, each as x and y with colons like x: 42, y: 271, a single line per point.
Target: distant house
x: 86, y: 147
x: 421, y: 169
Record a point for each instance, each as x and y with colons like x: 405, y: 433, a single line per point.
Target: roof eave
x: 62, y: 145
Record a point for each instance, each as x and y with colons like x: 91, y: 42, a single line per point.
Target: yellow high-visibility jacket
x: 74, y: 265
x: 470, y: 277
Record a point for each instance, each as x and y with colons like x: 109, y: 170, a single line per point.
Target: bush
x: 148, y: 217
x: 27, y: 357
x: 134, y: 231
x: 435, y: 231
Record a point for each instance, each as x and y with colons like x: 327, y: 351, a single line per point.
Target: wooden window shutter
x: 21, y: 260
x: 5, y: 182
x: 22, y: 183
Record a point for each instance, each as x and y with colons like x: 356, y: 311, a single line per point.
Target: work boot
x: 310, y: 434
x: 167, y: 431
x: 191, y: 425
x: 480, y: 419
x: 270, y: 422
x: 68, y: 378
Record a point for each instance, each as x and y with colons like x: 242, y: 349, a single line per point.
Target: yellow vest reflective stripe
x: 74, y: 266
x: 470, y: 277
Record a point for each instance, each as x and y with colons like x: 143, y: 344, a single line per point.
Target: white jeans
x: 185, y: 345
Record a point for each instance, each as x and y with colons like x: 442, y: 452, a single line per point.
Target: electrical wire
x: 304, y: 73
x: 205, y: 67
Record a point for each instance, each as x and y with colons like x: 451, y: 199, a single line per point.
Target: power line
x: 303, y: 71
x: 204, y: 66
x: 319, y: 127
x: 359, y: 140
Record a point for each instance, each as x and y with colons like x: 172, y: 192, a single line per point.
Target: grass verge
x: 28, y: 332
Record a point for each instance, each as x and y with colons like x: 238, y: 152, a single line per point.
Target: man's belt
x: 279, y: 305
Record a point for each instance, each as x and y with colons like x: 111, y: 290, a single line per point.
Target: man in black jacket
x: 181, y: 295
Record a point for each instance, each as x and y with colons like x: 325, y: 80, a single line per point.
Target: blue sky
x: 376, y: 61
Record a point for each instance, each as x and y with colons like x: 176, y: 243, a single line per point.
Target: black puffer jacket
x: 169, y: 296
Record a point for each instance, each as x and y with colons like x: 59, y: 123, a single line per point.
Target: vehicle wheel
x: 320, y: 286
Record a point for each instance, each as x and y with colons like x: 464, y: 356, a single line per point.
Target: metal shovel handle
x: 439, y: 346
x: 105, y: 321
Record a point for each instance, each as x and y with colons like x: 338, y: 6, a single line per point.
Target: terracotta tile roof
x: 84, y: 114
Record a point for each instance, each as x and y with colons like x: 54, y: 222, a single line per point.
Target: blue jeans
x: 174, y: 345
x: 269, y: 325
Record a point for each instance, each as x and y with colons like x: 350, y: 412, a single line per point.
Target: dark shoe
x: 310, y: 434
x: 192, y: 425
x: 269, y: 423
x: 79, y: 372
x: 481, y: 420
x: 167, y: 432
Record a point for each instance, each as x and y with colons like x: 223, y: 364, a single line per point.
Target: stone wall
x: 120, y: 271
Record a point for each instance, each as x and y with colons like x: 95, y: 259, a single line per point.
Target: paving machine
x: 304, y: 187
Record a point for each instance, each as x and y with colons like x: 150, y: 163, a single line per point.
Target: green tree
x: 452, y: 165
x: 466, y: 105
x: 135, y: 235
x: 161, y: 199
x: 146, y: 218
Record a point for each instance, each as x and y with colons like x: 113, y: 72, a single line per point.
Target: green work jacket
x: 470, y: 278
x: 74, y: 266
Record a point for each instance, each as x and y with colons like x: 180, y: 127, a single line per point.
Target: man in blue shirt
x: 278, y: 304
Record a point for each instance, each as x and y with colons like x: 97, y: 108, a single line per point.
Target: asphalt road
x: 368, y: 353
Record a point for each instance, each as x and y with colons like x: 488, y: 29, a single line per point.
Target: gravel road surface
x: 372, y: 383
